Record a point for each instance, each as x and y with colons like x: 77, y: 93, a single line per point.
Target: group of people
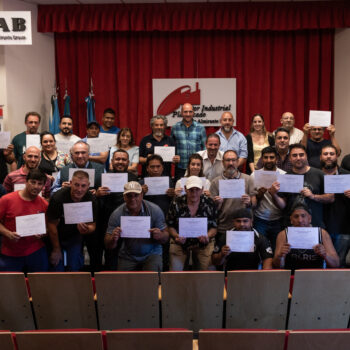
x: 65, y: 185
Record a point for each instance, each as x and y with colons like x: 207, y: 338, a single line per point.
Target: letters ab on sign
x: 15, y: 28
x: 210, y: 98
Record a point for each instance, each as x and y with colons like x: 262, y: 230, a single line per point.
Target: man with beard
x: 109, y: 201
x: 32, y: 122
x: 66, y: 129
x: 231, y: 139
x: 227, y: 206
x: 268, y: 216
x: 312, y: 195
x: 288, y: 121
x: 156, y: 138
x: 31, y: 159
x: 316, y: 141
x: 282, y: 147
x: 335, y: 214
x: 212, y: 158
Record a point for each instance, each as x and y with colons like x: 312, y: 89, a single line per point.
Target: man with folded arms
x: 137, y: 254
x: 336, y: 213
x: 229, y: 260
x: 31, y: 160
x: 292, y: 258
x: 27, y: 254
x: 69, y: 237
x: 192, y: 205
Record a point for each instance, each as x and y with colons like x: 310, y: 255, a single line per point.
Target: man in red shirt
x: 23, y: 253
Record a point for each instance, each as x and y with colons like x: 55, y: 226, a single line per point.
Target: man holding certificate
x: 234, y: 198
x: 336, y: 214
x: 22, y: 248
x: 192, y: 227
x: 242, y: 247
x: 302, y: 246
x: 71, y: 215
x: 140, y: 225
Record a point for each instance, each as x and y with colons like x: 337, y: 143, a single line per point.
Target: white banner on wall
x: 15, y: 28
x: 209, y: 97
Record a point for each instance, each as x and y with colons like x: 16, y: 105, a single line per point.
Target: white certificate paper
x: 64, y: 146
x: 76, y: 213
x: 91, y: 173
x: 115, y: 181
x: 109, y: 139
x: 167, y: 153
x: 30, y: 225
x: 157, y: 185
x: 303, y: 237
x: 336, y: 183
x: 320, y: 118
x: 264, y: 178
x: 97, y: 144
x: 231, y: 188
x: 5, y: 139
x: 33, y: 140
x: 193, y: 227
x: 135, y: 226
x: 240, y: 241
x: 290, y: 183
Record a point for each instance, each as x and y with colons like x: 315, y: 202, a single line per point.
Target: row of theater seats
x: 311, y: 299
x: 176, y: 339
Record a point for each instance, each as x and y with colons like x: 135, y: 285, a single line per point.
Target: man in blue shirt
x: 108, y: 120
x: 231, y: 139
x: 189, y: 136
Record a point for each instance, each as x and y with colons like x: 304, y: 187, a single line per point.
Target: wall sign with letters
x: 209, y: 97
x: 15, y: 28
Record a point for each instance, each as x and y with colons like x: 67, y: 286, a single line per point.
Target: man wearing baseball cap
x: 192, y: 204
x: 233, y: 260
x: 137, y: 254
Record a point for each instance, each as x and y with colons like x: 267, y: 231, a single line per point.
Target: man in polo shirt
x: 68, y: 237
x: 27, y: 254
x: 157, y: 138
x: 137, y: 254
x: 224, y: 258
x: 231, y: 139
x: 189, y: 137
x: 31, y: 159
x: 212, y: 158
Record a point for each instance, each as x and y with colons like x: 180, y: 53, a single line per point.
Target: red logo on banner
x: 1, y: 115
x: 178, y: 97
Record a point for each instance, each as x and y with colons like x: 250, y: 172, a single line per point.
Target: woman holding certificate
x: 302, y: 246
x: 257, y: 139
x: 126, y: 141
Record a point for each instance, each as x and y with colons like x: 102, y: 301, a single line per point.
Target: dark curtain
x: 276, y: 71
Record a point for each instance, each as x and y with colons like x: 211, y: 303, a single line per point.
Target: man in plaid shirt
x: 189, y: 136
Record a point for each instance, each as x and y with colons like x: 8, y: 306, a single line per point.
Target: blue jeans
x: 75, y: 258
x: 270, y: 229
x: 35, y: 262
x: 151, y: 263
x: 342, y: 246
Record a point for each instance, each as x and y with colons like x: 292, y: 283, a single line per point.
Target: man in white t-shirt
x: 288, y: 121
x: 66, y: 127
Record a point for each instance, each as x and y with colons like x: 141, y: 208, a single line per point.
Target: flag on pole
x: 55, y: 115
x: 66, y: 103
x: 90, y: 105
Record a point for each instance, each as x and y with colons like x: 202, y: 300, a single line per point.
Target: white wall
x: 27, y: 73
x: 342, y: 88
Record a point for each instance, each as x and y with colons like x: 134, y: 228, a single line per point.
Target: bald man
x: 31, y: 160
x: 231, y: 139
x: 189, y: 136
x: 288, y: 121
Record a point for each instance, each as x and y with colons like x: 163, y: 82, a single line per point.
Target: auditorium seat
x: 257, y: 299
x: 319, y: 339
x: 6, y: 341
x: 59, y: 340
x: 127, y: 299
x: 241, y: 339
x: 320, y: 299
x: 149, y: 339
x: 192, y: 300
x: 15, y: 311
x: 63, y: 300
